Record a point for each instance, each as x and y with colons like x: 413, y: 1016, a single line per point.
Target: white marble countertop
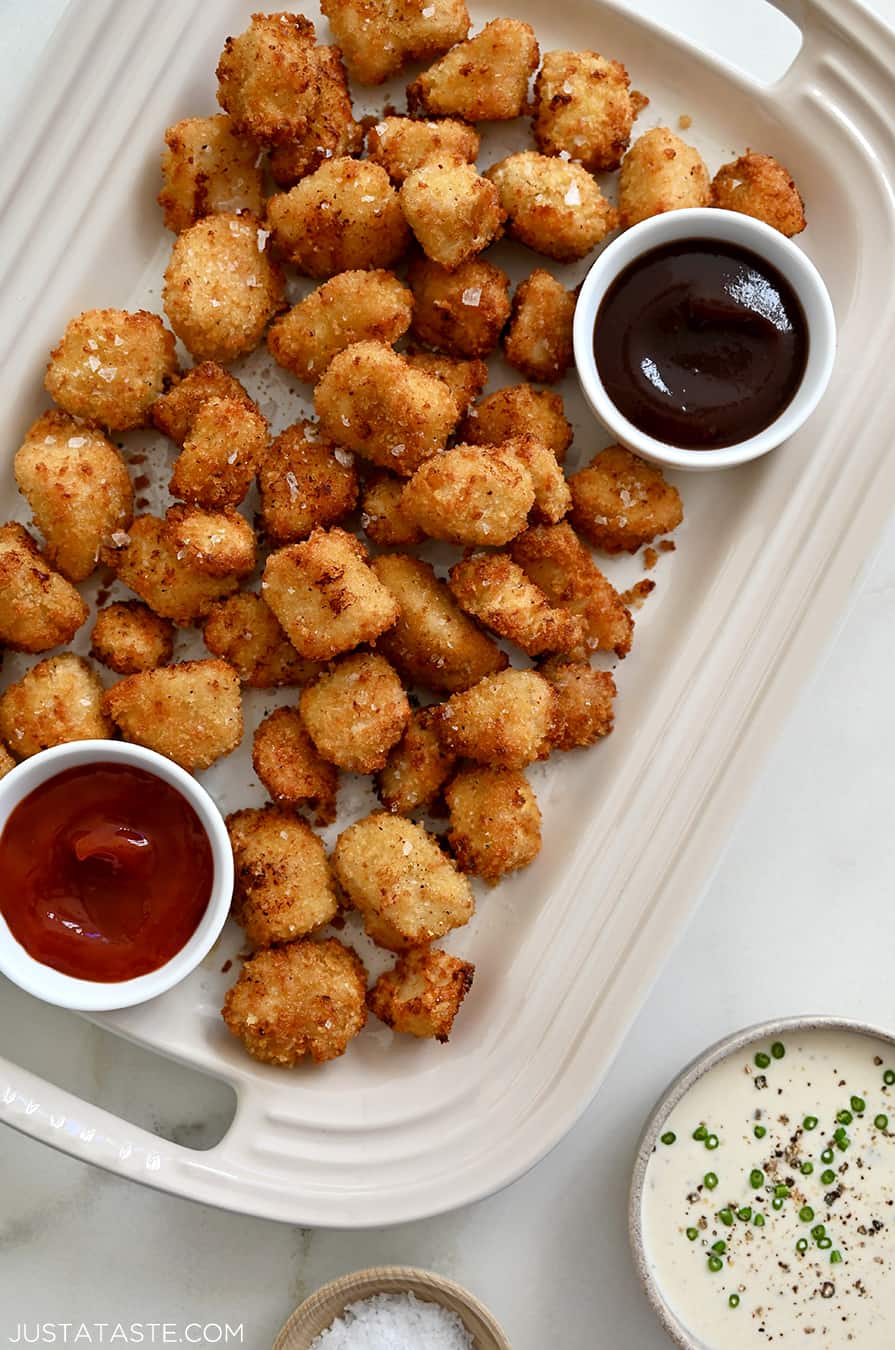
x: 791, y: 922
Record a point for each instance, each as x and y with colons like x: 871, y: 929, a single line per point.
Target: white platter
x: 766, y: 557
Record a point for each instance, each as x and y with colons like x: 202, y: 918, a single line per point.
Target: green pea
x: 889, y: 1077
x: 844, y: 1117
x: 692, y: 1234
x: 802, y: 1245
x: 745, y: 1213
x: 756, y: 1179
x: 809, y: 1123
x: 734, y: 1300
x: 720, y: 1246
x: 700, y: 1132
x: 806, y: 1214
x: 777, y: 1202
x: 858, y: 1105
x: 828, y: 1177
x: 712, y: 1142
x: 715, y: 1263
x: 726, y: 1217
x: 807, y: 1168
x: 825, y: 1243
x: 710, y: 1181
x: 669, y: 1137
x: 881, y: 1122
x: 759, y: 1131
x: 818, y: 1231
x: 759, y: 1221
x: 827, y: 1155
x: 835, y: 1258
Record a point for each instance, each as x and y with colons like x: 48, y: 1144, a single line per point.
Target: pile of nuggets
x: 403, y: 448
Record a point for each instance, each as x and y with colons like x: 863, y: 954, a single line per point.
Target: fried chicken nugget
x: 77, y: 485
x: 325, y: 595
x: 345, y: 216
x: 304, y: 483
x: 472, y: 494
x: 484, y: 79
x: 660, y: 173
x: 519, y: 410
x: 246, y: 633
x: 552, y: 205
x: 378, y: 37
x: 496, y: 591
x: 407, y: 890
x: 283, y: 886
x: 146, y: 560
x: 351, y: 307
x: 267, y: 77
x: 7, y: 763
x: 285, y: 760
x: 110, y: 366
x: 421, y: 995
x: 552, y: 495
x: 584, y: 109
x: 331, y: 131
x: 556, y: 561
x: 39, y: 609
x: 356, y: 712
x: 417, y: 768
x: 759, y: 186
x: 434, y: 643
x: 453, y: 211
x: 462, y: 312
x: 402, y: 144
x: 539, y: 338
x: 207, y: 167
x: 191, y: 712
x: 222, y: 287
x: 506, y: 720
x: 307, y: 998
x: 127, y: 637
x: 175, y: 412
x: 495, y: 822
x: 225, y: 444
x: 465, y: 379
x: 372, y: 401
x: 585, y: 701
x: 620, y: 502
x: 58, y: 700
x: 218, y: 543
x: 382, y: 516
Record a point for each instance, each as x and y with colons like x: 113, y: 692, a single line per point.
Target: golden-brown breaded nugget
x: 146, y: 560
x: 557, y: 561
x: 306, y: 998
x: 283, y: 887
x: 268, y: 78
x: 77, y: 486
x: 585, y: 701
x: 110, y: 366
x: 219, y: 543
x: 245, y: 631
x: 519, y: 410
x: 356, y: 712
x: 382, y: 516
x: 495, y: 822
x: 352, y: 307
x: 496, y: 591
x: 422, y: 994
x: 465, y: 379
x: 175, y: 412
x: 226, y: 442
x: 473, y: 494
x: 7, y: 763
x: 378, y: 37
x: 325, y: 595
x: 552, y: 495
x: 39, y: 609
x: 207, y: 167
x: 433, y: 643
x: 191, y: 712
x: 373, y: 402
x: 552, y: 205
x: 460, y: 312
x: 331, y: 130
x: 584, y: 109
x: 58, y: 700
x: 453, y: 211
x: 417, y: 768
x: 484, y: 79
x: 284, y: 758
x: 506, y: 720
x: 406, y: 888
x: 402, y: 144
x: 222, y: 287
x: 304, y: 483
x: 539, y: 338
x: 759, y: 186
x: 127, y: 637
x: 620, y: 502
x: 660, y: 173
x: 344, y: 216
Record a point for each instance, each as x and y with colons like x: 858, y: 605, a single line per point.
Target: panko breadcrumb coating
x: 207, y: 167
x: 344, y: 216
x: 222, y: 287
x: 146, y: 560
x: 552, y: 495
x: 402, y: 144
x: 304, y: 482
x: 331, y: 131
x: 506, y: 720
x: 245, y: 631
x: 417, y: 768
x: 378, y: 37
x: 382, y: 516
x: 557, y: 561
x: 127, y: 638
x: 225, y: 444
x: 175, y: 412
x: 77, y: 486
x: 585, y: 701
x: 422, y: 994
x: 268, y: 79
x: 519, y: 410
x: 462, y: 312
x: 351, y: 307
x: 584, y: 109
x: 484, y: 79
x: 356, y: 712
x: 373, y: 402
x: 39, y: 609
x: 453, y: 211
x: 283, y: 887
x: 407, y: 890
x: 306, y: 998
x: 759, y: 186
x: 495, y: 822
x: 285, y: 760
x: 110, y: 366
x: 552, y: 205
x: 58, y: 700
x: 473, y: 494
x: 191, y: 712
x: 7, y: 763
x: 219, y: 543
x: 539, y: 338
x: 661, y: 173
x: 465, y: 379
x: 325, y: 595
x: 620, y: 502
x: 496, y: 591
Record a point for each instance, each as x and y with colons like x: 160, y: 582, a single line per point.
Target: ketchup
x: 105, y: 872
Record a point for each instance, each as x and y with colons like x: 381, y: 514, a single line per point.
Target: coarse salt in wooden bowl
x: 322, y: 1308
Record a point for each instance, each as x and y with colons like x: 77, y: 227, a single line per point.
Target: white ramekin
x: 729, y: 227
x: 93, y: 995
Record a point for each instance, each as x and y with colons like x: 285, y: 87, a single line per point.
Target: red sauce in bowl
x: 105, y: 872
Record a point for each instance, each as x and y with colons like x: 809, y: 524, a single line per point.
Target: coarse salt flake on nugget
x: 110, y: 366
x: 191, y: 712
x: 39, y: 609
x: 58, y: 700
x: 484, y: 79
x: 421, y: 995
x: 552, y: 205
x: 356, y: 712
x: 378, y: 37
x: 283, y: 886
